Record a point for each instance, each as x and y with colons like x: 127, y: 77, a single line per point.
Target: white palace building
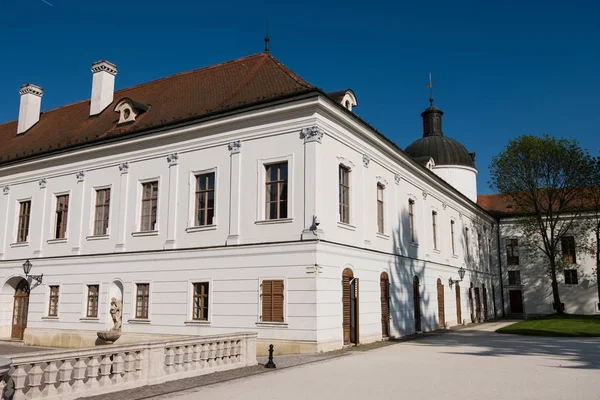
x: 236, y: 197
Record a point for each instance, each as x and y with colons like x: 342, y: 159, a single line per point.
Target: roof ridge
x: 289, y: 72
x: 208, y: 67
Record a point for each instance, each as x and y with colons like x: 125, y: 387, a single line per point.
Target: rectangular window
x: 344, y: 179
x: 205, y: 199
x: 62, y: 212
x: 568, y: 249
x: 92, y: 301
x: 512, y: 251
x: 571, y: 276
x: 277, y: 191
x: 149, y: 206
x: 200, y: 312
x: 24, y: 216
x: 141, y: 300
x: 514, y: 277
x: 53, y: 302
x: 272, y: 301
x: 452, y: 237
x: 411, y: 219
x: 380, y: 221
x: 434, y: 228
x: 467, y: 242
x: 101, y: 212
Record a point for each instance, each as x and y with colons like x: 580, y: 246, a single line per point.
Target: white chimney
x: 29, y: 110
x: 103, y: 86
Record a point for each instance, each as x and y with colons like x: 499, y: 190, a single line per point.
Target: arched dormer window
x: 129, y: 109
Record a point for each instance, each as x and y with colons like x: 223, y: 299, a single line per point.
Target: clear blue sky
x: 500, y: 68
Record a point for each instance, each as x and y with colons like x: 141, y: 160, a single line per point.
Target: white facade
x: 464, y: 179
x: 242, y: 247
x: 526, y: 277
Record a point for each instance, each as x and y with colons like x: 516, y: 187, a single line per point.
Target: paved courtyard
x: 472, y: 363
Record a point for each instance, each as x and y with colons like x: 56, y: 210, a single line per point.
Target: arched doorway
x: 20, y: 309
x: 417, y: 303
x: 440, y: 299
x: 485, y: 305
x: 472, y: 311
x: 384, y: 283
x: 477, y: 304
x: 350, y: 306
x: 458, y: 305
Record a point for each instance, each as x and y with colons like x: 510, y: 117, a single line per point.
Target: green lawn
x: 555, y: 325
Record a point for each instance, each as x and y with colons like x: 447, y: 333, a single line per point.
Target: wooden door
x: 458, y: 305
x: 516, y: 302
x: 20, y: 309
x: 440, y: 299
x: 471, y: 303
x: 384, y: 284
x: 417, y: 303
x: 347, y: 276
x: 354, y: 324
x: 485, y: 305
x: 477, y: 304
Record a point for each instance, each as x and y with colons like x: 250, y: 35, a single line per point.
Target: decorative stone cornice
x: 30, y: 88
x: 345, y: 162
x: 397, y: 178
x: 104, y: 66
x: 235, y: 147
x: 312, y: 134
x: 124, y: 167
x: 80, y: 175
x: 173, y: 159
x: 6, y: 189
x: 42, y: 183
x: 381, y: 180
x: 366, y: 160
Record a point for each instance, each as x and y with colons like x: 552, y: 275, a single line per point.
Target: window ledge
x: 413, y: 244
x: 55, y: 241
x: 197, y: 322
x: 202, y: 228
x: 50, y: 318
x: 274, y: 221
x: 19, y: 244
x: 344, y: 225
x: 138, y: 321
x: 272, y: 324
x: 98, y: 237
x: 383, y: 236
x: 89, y: 319
x: 146, y: 233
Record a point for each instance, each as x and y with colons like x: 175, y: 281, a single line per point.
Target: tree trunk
x: 555, y: 293
x: 598, y: 265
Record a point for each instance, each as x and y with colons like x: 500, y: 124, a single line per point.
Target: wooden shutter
x: 385, y: 304
x: 346, y: 277
x: 272, y: 301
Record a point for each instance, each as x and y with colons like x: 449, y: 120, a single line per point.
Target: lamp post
x: 461, y: 275
x: 27, y: 269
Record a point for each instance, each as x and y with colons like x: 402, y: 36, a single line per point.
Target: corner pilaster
x: 313, y: 137
x: 122, y: 211
x: 235, y: 178
x: 173, y: 161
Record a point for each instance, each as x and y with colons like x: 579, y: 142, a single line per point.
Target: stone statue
x: 116, y: 313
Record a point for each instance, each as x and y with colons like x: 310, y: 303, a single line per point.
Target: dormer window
x: 346, y: 98
x: 129, y: 109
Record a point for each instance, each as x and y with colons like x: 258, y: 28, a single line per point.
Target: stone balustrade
x: 74, y: 373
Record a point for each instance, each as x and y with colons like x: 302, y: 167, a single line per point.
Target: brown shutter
x: 272, y: 301
x: 346, y: 277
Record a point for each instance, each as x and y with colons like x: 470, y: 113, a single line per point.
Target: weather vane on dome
x: 430, y: 86
x: 267, y: 40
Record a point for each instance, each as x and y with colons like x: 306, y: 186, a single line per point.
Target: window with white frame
x: 101, y: 212
x: 276, y: 191
x: 434, y: 228
x: 272, y: 295
x: 62, y: 212
x: 92, y: 301
x: 200, y: 301
x: 24, y: 217
x: 142, y: 300
x: 380, y: 209
x: 205, y: 199
x: 149, y: 206
x: 411, y: 221
x: 344, y: 194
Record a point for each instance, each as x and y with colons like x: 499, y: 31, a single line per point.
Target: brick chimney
x: 30, y: 107
x: 103, y: 86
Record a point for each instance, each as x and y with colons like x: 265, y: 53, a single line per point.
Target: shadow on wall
x: 402, y: 296
x: 585, y: 352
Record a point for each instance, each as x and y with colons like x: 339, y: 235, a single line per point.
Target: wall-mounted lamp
x: 461, y: 275
x: 27, y: 269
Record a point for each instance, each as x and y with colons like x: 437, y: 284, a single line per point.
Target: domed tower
x: 451, y: 160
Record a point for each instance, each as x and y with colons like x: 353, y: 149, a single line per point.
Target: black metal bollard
x: 270, y: 363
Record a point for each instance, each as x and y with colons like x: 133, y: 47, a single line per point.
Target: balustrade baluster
x: 117, y: 369
x: 35, y: 380
x: 49, y: 378
x: 129, y: 367
x: 179, y: 359
x: 212, y: 353
x: 92, y: 374
x: 19, y: 378
x: 205, y: 354
x: 139, y: 363
x: 197, y: 356
x: 64, y: 378
x: 105, y: 366
x: 219, y: 356
x: 187, y: 358
x: 170, y: 361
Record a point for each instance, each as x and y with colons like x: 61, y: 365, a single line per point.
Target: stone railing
x: 74, y: 373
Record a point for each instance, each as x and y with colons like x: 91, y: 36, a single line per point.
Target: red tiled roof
x: 499, y: 205
x: 180, y: 97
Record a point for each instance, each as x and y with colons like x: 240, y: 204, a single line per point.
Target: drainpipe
x: 500, y: 268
